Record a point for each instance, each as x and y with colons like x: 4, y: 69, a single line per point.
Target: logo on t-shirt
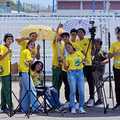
x: 77, y: 62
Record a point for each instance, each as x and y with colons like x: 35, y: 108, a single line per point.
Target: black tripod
x: 28, y: 94
x: 44, y: 78
x: 101, y: 86
x: 92, y: 31
x: 110, y: 77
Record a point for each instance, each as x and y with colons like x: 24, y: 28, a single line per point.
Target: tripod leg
x: 35, y: 102
x: 112, y: 95
x: 19, y: 105
x: 106, y: 105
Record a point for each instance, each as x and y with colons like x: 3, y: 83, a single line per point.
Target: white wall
x: 14, y: 25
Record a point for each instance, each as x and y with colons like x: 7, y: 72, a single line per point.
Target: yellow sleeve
x: 1, y: 51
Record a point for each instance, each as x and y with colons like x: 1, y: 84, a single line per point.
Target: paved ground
x: 92, y: 113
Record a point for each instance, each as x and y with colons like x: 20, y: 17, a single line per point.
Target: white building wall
x: 14, y: 24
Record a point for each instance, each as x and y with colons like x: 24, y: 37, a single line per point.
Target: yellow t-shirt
x: 115, y: 47
x: 74, y: 61
x: 76, y: 45
x: 37, y: 78
x: 25, y: 56
x: 55, y: 52
x: 84, y: 46
x: 23, y: 45
x: 5, y: 63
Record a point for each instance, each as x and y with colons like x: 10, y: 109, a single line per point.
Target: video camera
x: 92, y: 30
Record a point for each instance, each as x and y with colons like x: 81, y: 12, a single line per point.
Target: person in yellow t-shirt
x: 115, y: 54
x: 85, y: 44
x: 73, y: 39
x: 58, y: 75
x: 36, y: 73
x: 25, y: 61
x: 5, y: 54
x: 57, y: 50
x: 74, y: 66
x: 23, y: 43
x: 65, y: 39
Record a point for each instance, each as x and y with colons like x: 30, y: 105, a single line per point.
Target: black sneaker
x: 117, y: 106
x: 3, y: 108
x: 98, y: 102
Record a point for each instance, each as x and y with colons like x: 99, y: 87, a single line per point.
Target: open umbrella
x: 44, y: 32
x: 76, y: 23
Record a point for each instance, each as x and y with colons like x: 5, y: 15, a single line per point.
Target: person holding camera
x: 86, y: 46
x: 5, y: 58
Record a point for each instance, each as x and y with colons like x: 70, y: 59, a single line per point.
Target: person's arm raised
x: 19, y: 40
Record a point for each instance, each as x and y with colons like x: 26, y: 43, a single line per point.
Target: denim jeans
x: 27, y: 97
x: 76, y: 81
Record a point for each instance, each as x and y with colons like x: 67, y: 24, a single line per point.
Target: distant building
x: 5, y: 6
x: 20, y: 6
x: 74, y: 6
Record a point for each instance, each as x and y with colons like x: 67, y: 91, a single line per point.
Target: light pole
x: 18, y: 6
x: 93, y: 6
x: 53, y: 6
x: 81, y: 5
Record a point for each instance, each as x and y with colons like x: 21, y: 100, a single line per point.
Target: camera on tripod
x: 92, y: 30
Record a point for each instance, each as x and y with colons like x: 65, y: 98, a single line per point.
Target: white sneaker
x: 73, y: 110
x: 81, y: 110
x: 90, y: 103
x: 77, y: 106
x: 1, y: 111
x: 66, y: 105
